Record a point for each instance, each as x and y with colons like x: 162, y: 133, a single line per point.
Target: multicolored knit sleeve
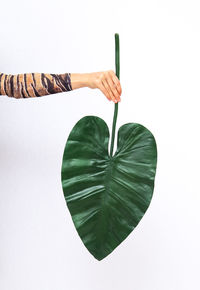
x: 34, y: 84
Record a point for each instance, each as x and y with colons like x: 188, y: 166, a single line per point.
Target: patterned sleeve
x: 34, y: 84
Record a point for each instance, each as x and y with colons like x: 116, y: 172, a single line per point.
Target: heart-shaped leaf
x: 107, y: 196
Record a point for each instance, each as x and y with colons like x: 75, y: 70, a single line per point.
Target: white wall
x: 160, y: 77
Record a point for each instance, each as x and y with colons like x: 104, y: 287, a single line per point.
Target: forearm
x: 40, y: 84
x: 34, y: 84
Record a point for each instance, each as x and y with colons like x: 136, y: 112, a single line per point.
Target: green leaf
x: 107, y: 195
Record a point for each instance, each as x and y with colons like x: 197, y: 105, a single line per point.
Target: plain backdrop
x: 160, y: 77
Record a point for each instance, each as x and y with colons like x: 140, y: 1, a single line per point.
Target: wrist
x: 80, y: 80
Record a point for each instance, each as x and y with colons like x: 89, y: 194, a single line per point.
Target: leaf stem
x: 117, y: 69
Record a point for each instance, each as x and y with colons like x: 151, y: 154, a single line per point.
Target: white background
x: 160, y: 77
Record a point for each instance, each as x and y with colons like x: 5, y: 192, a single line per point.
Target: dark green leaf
x: 107, y: 196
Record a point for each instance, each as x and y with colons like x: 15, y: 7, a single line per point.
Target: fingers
x: 104, y: 91
x: 113, y: 86
x: 116, y: 81
x: 109, y: 84
x: 109, y: 88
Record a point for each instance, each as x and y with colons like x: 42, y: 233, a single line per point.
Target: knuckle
x: 111, y: 71
x: 98, y: 81
x: 102, y: 75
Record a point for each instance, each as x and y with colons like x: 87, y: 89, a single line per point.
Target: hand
x: 107, y: 82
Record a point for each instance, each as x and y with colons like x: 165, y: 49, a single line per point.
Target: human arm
x: 33, y: 84
x: 39, y: 84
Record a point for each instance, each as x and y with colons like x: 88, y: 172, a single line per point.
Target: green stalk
x: 117, y: 68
